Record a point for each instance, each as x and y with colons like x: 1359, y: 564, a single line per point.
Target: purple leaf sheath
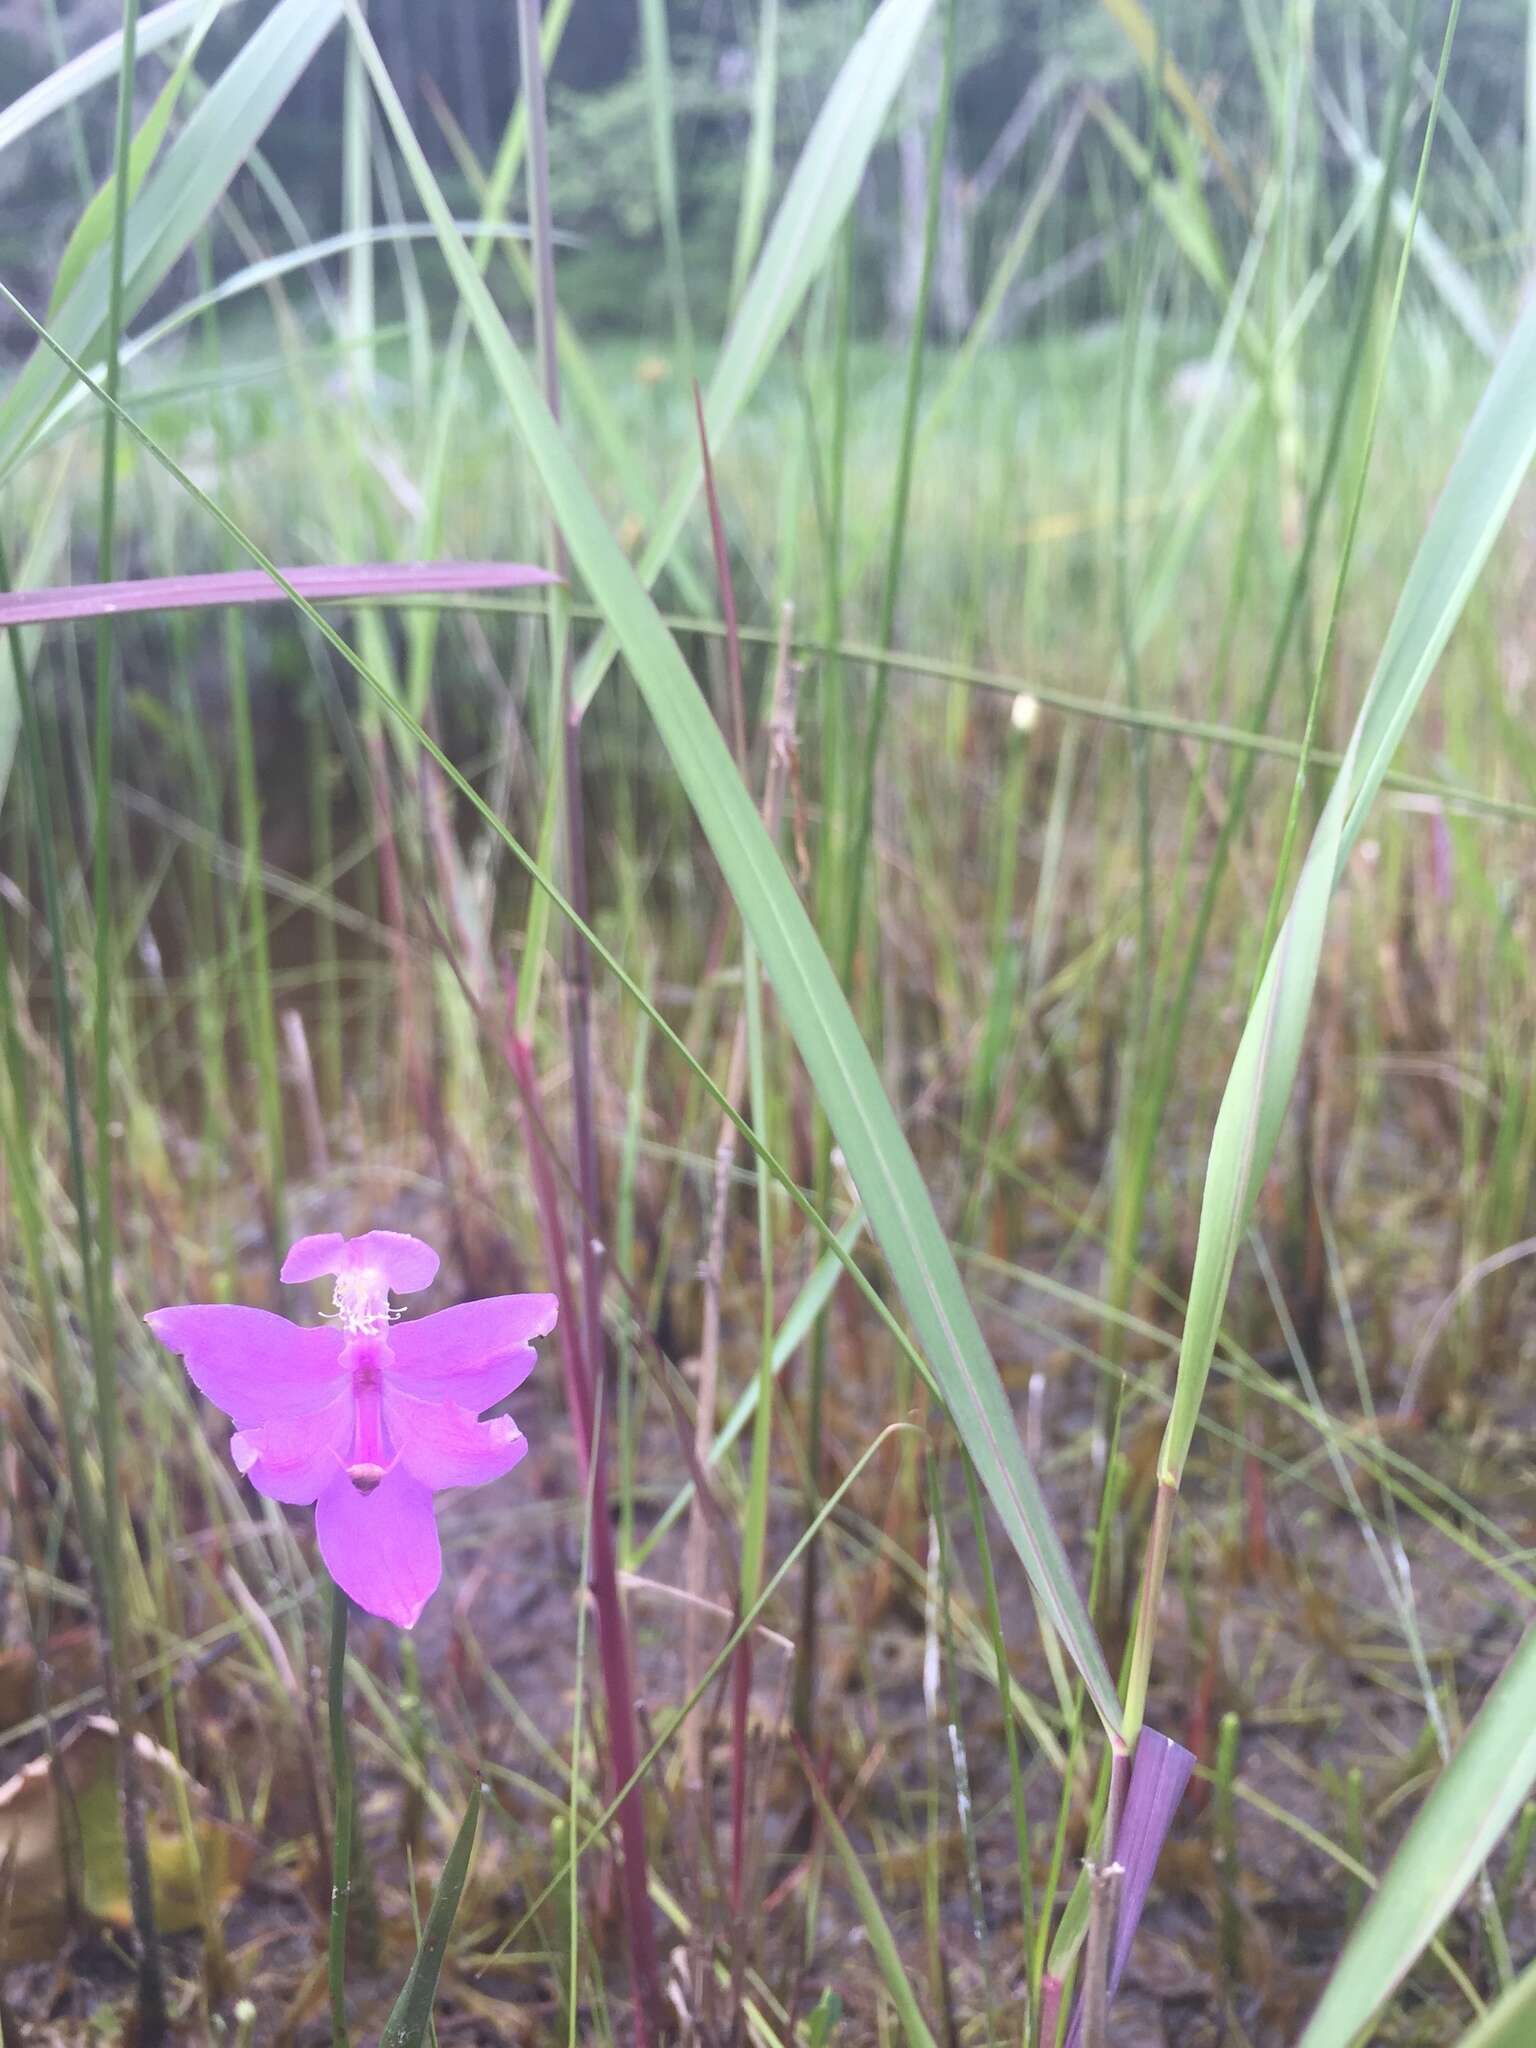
x: 254, y: 586
x: 361, y: 1417
x: 1158, y: 1778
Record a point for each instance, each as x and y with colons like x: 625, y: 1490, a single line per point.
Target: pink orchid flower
x: 366, y: 1417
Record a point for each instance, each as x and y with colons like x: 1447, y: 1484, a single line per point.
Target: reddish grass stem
x: 591, y: 1449
x: 613, y: 1645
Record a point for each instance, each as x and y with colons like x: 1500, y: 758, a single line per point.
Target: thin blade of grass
x: 757, y: 173
x: 813, y: 1003
x: 61, y: 88
x: 820, y: 192
x: 1496, y: 451
x: 330, y: 584
x: 411, y: 2014
x: 95, y: 224
x: 658, y: 78
x: 1512, y: 2022
x: 176, y: 200
x: 881, y: 1940
x: 1473, y: 1801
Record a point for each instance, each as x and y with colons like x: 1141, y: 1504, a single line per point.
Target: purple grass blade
x: 1158, y: 1778
x: 254, y: 586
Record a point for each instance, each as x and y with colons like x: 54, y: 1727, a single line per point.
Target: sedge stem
x: 341, y: 1839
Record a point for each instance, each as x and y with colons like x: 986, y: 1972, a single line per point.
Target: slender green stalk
x: 1224, y: 1816
x: 830, y: 886
x: 658, y: 72
x: 100, y: 1227
x: 344, y: 1817
x: 1200, y: 1331
x: 938, y: 144
x: 1023, y: 1856
x: 565, y: 748
x: 757, y: 174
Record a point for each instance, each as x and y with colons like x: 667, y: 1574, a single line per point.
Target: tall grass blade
x: 1511, y: 2023
x: 411, y: 2015
x: 757, y: 175
x: 1474, y: 1800
x: 364, y: 580
x: 813, y: 1003
x: 882, y: 1942
x: 101, y: 1308
x: 820, y: 192
x: 95, y: 224
x: 61, y: 88
x: 658, y: 78
x: 176, y: 199
x: 1496, y: 452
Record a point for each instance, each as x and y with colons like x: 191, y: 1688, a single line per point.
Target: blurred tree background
x: 1026, y: 69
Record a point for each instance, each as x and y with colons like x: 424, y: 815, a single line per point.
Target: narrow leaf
x: 1511, y: 2023
x: 411, y: 2015
x: 95, y: 224
x: 881, y: 1940
x: 814, y: 1006
x: 1495, y: 454
x: 253, y: 586
x: 1473, y: 1801
x: 177, y: 198
x: 101, y: 61
x: 820, y: 191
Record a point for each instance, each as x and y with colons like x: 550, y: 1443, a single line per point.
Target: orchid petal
x: 442, y: 1444
x: 381, y: 1548
x: 402, y: 1262
x: 294, y: 1457
x: 405, y: 1263
x: 313, y: 1257
x: 250, y: 1363
x: 473, y: 1355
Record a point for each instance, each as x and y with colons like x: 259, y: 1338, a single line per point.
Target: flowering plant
x: 365, y: 1416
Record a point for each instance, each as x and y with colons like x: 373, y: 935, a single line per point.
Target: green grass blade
x: 818, y: 196
x: 881, y: 1940
x: 411, y: 2015
x: 63, y: 87
x: 176, y: 200
x: 95, y: 224
x: 787, y: 1340
x: 658, y: 77
x: 1512, y: 2022
x: 757, y: 177
x: 1474, y: 1800
x: 1496, y: 452
x: 809, y: 995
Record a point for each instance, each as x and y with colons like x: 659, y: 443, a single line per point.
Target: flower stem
x: 341, y: 1838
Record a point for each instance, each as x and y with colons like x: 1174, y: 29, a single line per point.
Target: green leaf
x: 881, y: 1940
x: 177, y: 197
x: 820, y: 192
x: 1511, y: 2023
x: 829, y: 2010
x: 95, y: 224
x: 1495, y: 454
x: 757, y: 174
x: 101, y: 61
x: 1474, y: 1800
x: 810, y: 998
x: 411, y: 2014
